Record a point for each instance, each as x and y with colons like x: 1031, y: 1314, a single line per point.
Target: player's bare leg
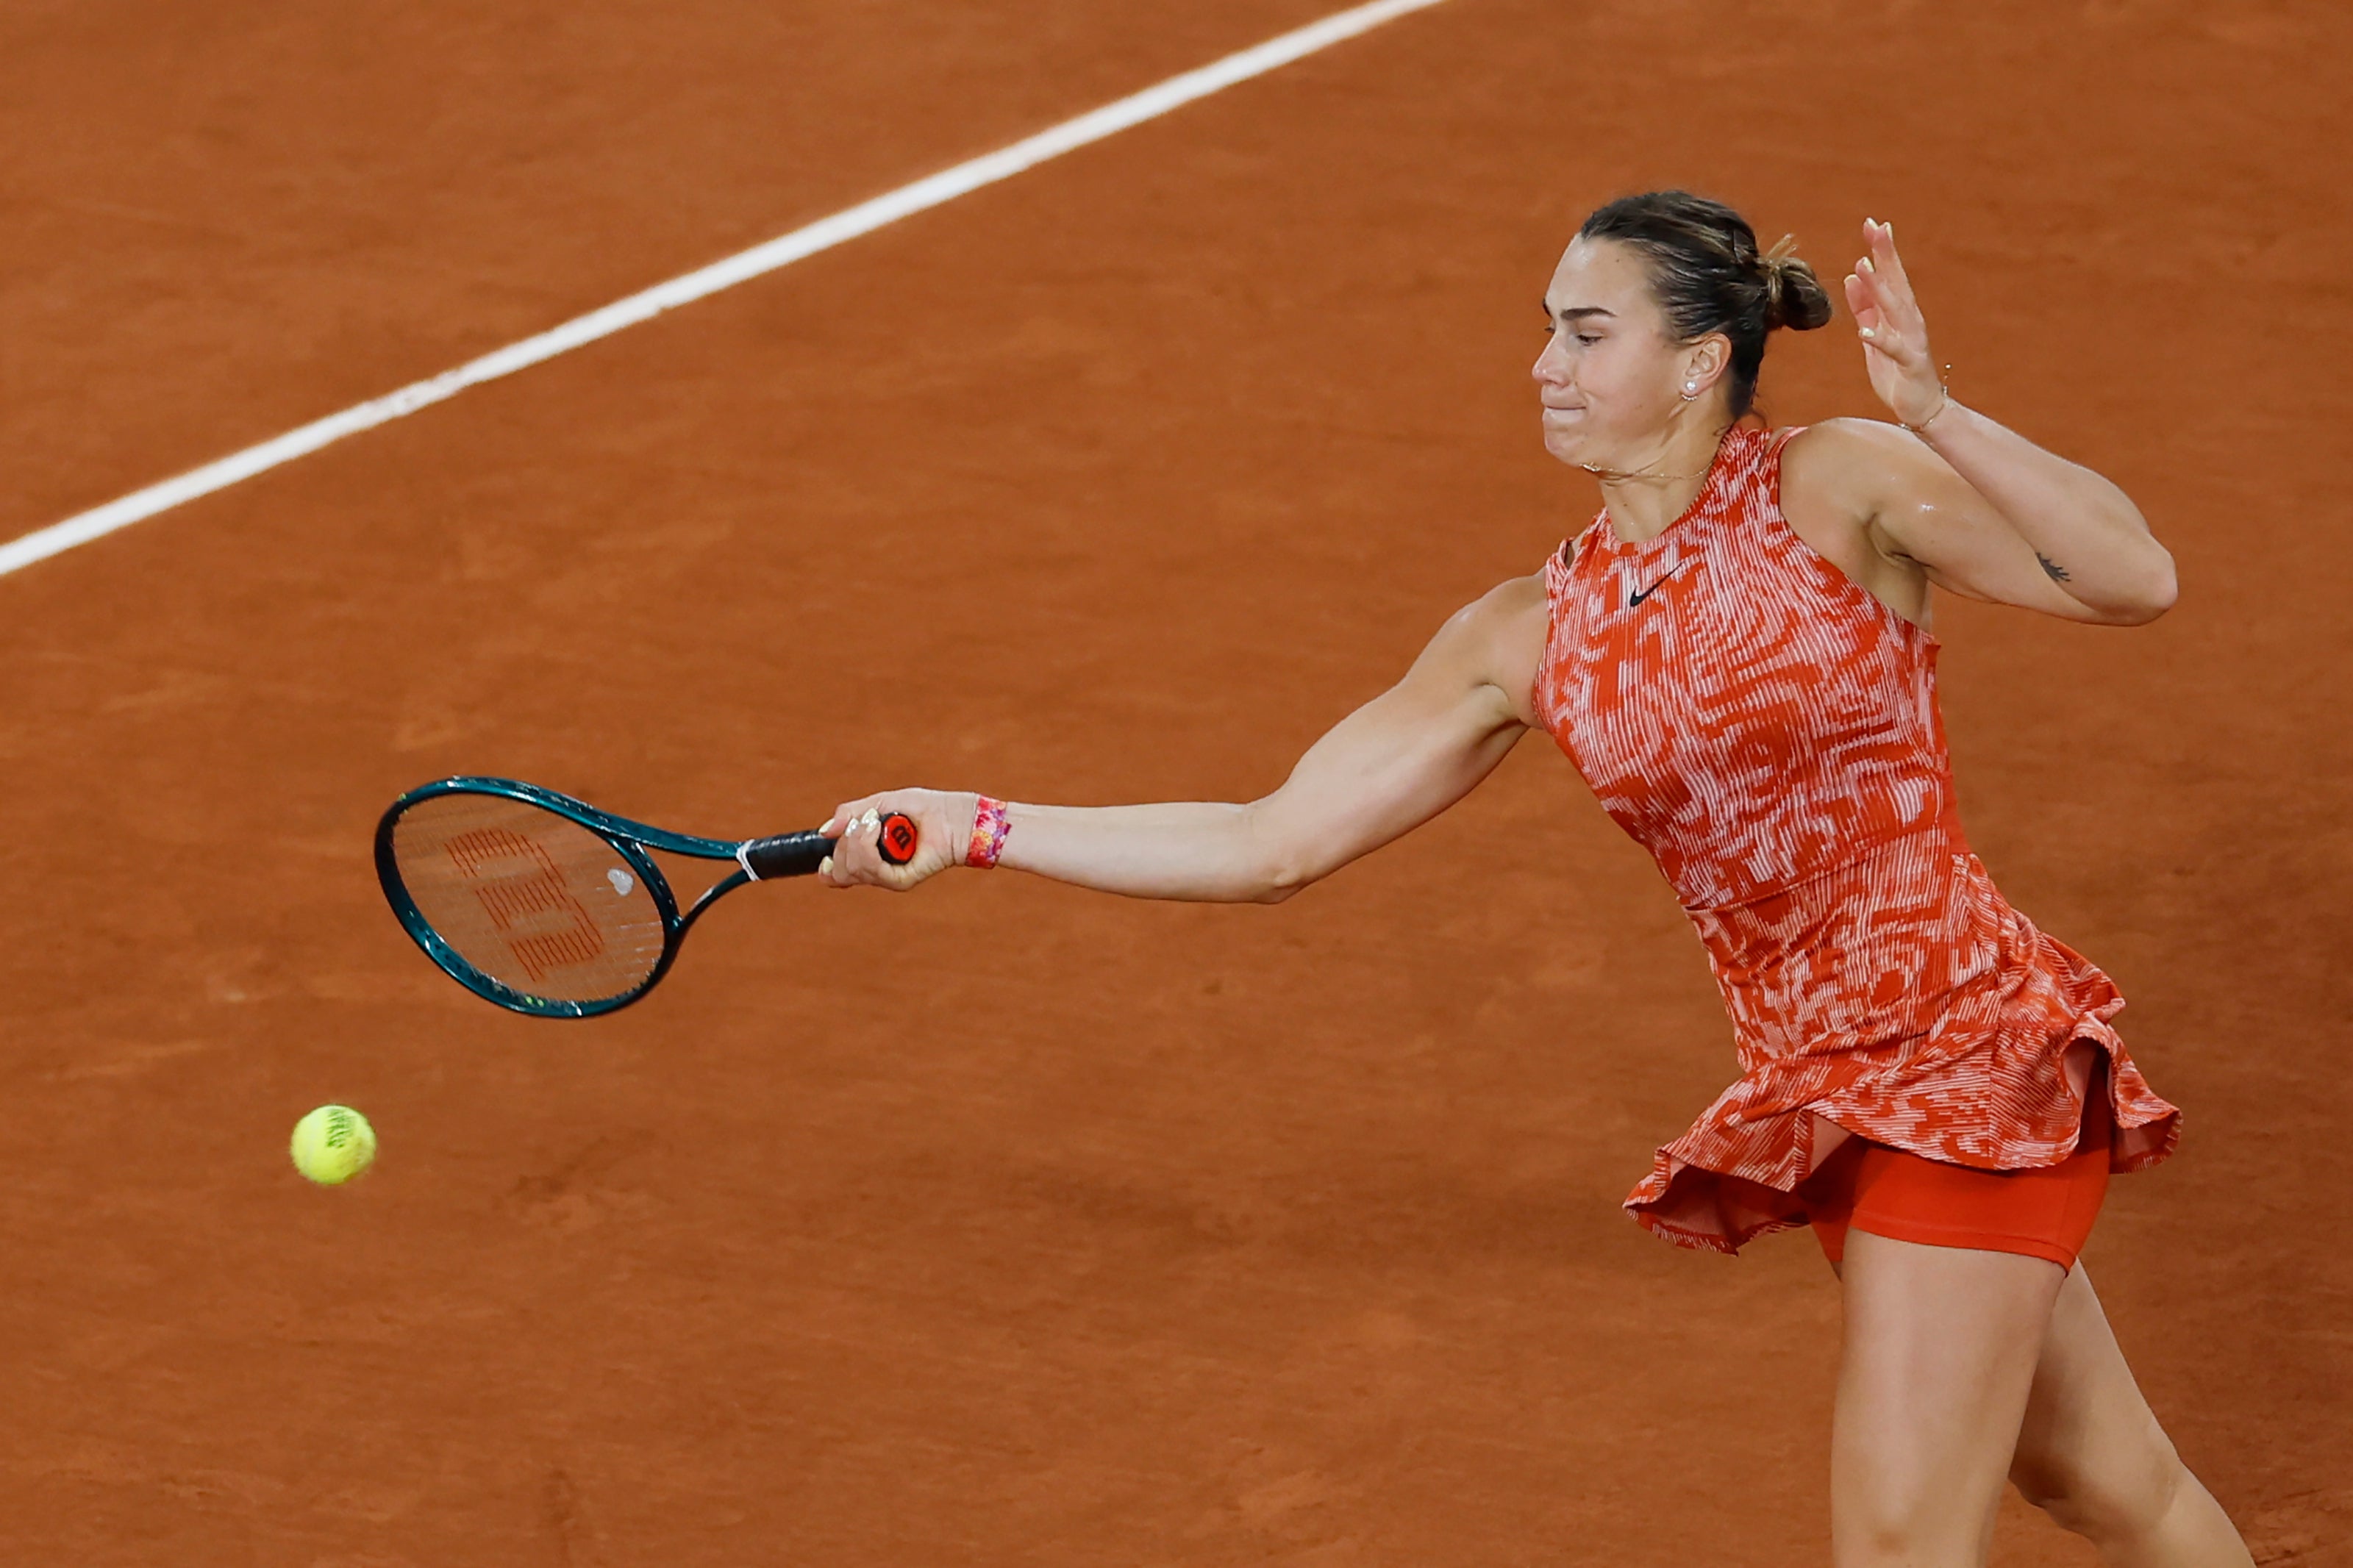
x: 1939, y: 1358
x: 2091, y: 1455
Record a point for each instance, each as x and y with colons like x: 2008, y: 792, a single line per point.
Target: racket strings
x: 532, y: 908
x: 529, y: 898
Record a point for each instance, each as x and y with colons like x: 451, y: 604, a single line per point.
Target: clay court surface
x: 1005, y: 1224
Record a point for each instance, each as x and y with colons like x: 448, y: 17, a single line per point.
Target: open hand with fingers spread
x: 1894, y: 334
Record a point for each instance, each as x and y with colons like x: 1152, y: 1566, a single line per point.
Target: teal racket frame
x: 757, y: 859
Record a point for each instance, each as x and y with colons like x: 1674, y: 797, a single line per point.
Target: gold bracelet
x: 1944, y: 401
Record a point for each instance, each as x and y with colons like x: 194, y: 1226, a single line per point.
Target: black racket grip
x: 800, y: 854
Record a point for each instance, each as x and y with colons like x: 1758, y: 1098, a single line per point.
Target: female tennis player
x: 1735, y: 655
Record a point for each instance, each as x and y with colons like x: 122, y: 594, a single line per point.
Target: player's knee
x: 1893, y: 1543
x: 2110, y: 1497
x: 1875, y: 1547
x: 1897, y: 1527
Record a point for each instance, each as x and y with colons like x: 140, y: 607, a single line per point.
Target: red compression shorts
x: 2045, y: 1213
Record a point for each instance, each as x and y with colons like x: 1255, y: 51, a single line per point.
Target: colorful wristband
x: 989, y: 827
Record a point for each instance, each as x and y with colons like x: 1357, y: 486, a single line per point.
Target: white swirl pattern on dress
x: 1767, y: 729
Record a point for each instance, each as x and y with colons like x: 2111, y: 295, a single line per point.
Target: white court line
x: 782, y: 251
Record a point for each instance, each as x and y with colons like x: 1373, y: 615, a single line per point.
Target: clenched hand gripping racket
x: 545, y: 905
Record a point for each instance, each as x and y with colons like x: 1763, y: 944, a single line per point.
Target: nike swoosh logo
x: 1655, y: 587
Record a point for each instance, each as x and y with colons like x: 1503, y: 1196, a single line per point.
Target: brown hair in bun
x: 1794, y: 296
x: 1709, y: 276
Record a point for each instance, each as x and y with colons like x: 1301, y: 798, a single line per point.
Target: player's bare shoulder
x: 1845, y: 466
x: 1839, y: 479
x: 1498, y: 639
x: 1860, y: 469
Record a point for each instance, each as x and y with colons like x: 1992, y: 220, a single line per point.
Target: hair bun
x: 1708, y: 275
x: 1794, y: 296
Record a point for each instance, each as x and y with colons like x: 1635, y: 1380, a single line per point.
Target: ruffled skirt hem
x: 1733, y: 1175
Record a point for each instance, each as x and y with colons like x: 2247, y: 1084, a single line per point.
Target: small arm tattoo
x: 2058, y: 572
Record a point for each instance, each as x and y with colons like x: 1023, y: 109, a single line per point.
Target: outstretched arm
x: 1980, y: 509
x: 1386, y: 768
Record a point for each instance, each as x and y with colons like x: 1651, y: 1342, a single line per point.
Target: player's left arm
x: 1979, y: 509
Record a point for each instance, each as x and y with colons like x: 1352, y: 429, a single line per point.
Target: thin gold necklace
x: 1627, y: 476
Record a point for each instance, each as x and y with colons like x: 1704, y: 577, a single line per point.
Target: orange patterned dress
x: 1767, y: 729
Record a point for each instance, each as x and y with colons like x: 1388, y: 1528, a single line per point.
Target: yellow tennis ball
x: 333, y: 1144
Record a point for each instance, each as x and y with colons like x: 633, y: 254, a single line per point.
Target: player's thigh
x: 1940, y: 1356
x: 2090, y: 1449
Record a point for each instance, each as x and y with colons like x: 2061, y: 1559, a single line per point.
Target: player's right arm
x: 1380, y: 772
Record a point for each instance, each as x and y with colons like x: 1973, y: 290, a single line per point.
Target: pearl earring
x: 1691, y: 390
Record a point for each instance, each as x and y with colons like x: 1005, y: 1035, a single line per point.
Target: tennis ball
x: 333, y: 1144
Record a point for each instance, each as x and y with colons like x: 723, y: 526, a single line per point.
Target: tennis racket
x: 545, y: 905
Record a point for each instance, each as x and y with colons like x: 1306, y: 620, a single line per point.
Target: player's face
x: 1610, y: 376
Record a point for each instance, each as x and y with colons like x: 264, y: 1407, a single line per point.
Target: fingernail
x: 872, y: 817
x: 1866, y: 265
x: 1870, y: 332
x: 824, y: 867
